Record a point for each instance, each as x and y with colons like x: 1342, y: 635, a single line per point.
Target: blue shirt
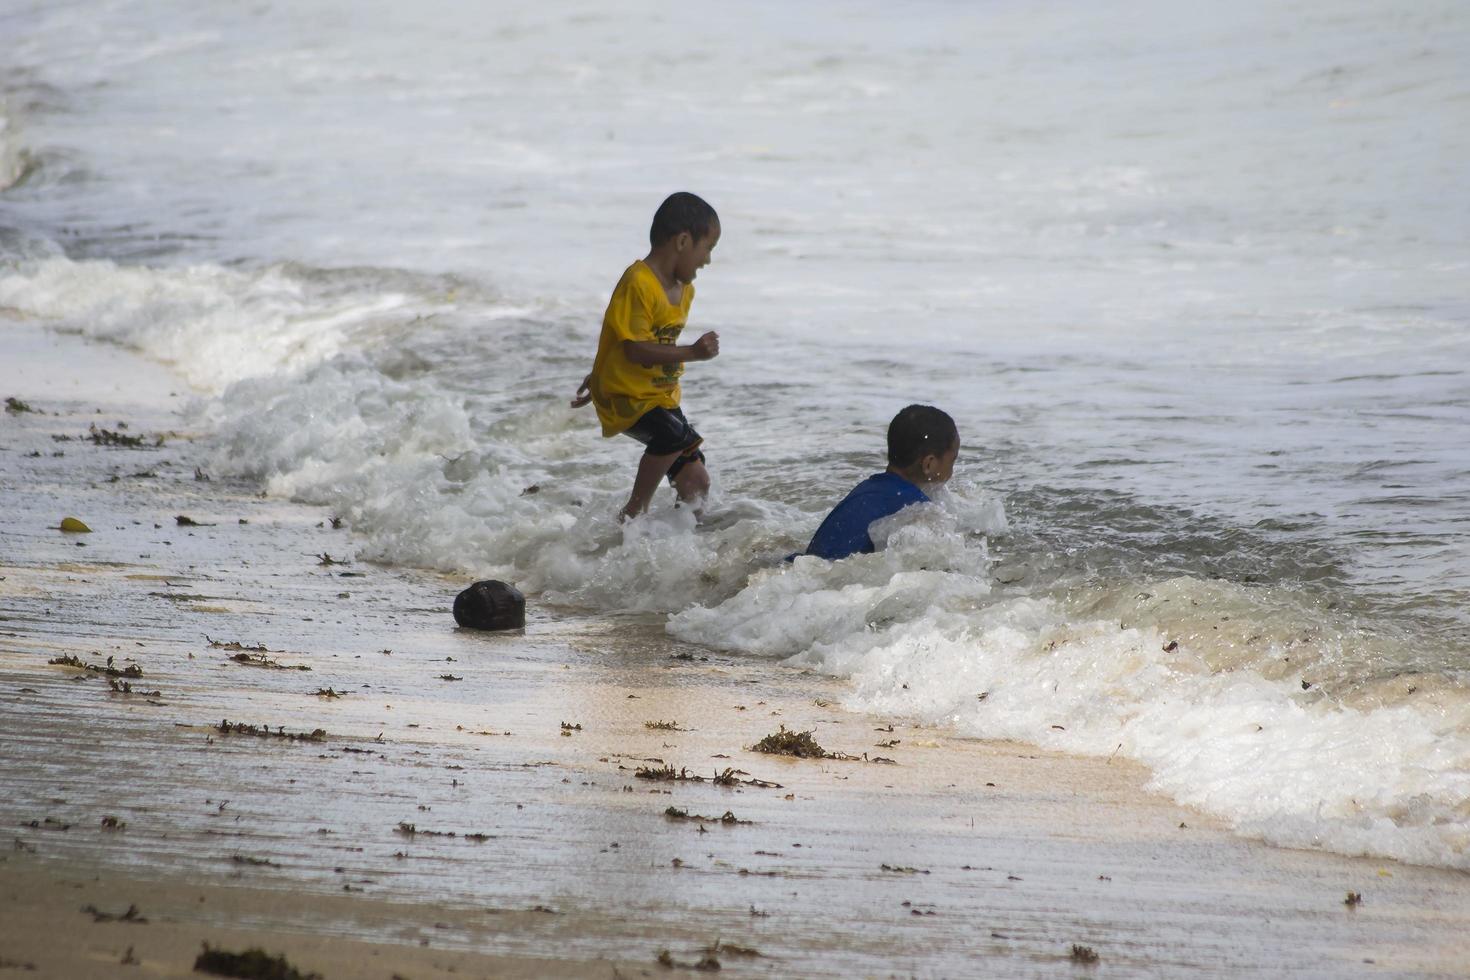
x: 845, y: 531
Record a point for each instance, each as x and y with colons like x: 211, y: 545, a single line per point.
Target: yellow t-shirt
x: 639, y: 310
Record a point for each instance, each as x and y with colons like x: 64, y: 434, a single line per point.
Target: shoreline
x: 958, y: 857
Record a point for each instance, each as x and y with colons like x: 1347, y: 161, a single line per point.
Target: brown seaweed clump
x: 132, y: 670
x: 799, y: 744
x: 729, y: 819
x: 253, y: 964
x: 227, y: 727
x: 261, y: 660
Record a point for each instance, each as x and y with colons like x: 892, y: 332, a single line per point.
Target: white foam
x: 1224, y: 724
x: 211, y: 324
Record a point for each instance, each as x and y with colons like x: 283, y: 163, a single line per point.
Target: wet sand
x: 475, y: 806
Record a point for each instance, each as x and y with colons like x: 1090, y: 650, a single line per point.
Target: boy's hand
x: 707, y: 346
x: 584, y: 393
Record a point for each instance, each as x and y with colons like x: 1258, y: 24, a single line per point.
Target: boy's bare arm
x: 649, y: 354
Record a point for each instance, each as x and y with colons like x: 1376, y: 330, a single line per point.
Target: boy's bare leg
x: 651, y: 471
x: 691, y: 483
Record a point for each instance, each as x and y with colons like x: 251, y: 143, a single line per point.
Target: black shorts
x: 664, y: 431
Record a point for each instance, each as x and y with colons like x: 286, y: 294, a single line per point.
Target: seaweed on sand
x: 106, y: 437
x: 126, y: 687
x: 729, y: 819
x: 227, y: 727
x: 729, y: 777
x: 664, y: 726
x: 261, y: 660
x: 236, y: 645
x: 253, y: 964
x: 132, y: 670
x: 803, y: 746
x: 799, y: 744
x: 131, y: 915
x: 410, y: 830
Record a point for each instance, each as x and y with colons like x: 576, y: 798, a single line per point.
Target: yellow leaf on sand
x: 75, y: 526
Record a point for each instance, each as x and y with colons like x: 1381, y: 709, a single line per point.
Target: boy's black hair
x: 918, y: 431
x: 681, y: 211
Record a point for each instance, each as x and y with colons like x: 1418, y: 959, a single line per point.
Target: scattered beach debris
x: 183, y: 520
x: 491, y: 605
x: 1353, y: 900
x: 47, y: 823
x: 237, y: 645
x: 131, y: 915
x: 407, y: 829
x: 803, y: 746
x: 202, y: 477
x: 131, y: 670
x: 664, y: 726
x: 16, y: 406
x: 253, y: 861
x: 226, y: 727
x: 686, y: 657
x: 1084, y: 954
x: 325, y: 559
x: 261, y: 660
x: 729, y: 819
x: 126, y: 687
x: 107, y: 437
x: 128, y: 959
x: 567, y: 729
x: 253, y: 964
x: 784, y: 742
x: 450, y: 677
x: 113, y: 823
x: 330, y: 694
x: 900, y: 870
x: 336, y: 523
x: 71, y: 525
x: 729, y: 777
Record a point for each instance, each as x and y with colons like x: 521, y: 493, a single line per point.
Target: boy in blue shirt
x: 923, y: 444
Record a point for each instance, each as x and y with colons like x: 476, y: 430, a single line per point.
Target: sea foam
x: 1249, y: 723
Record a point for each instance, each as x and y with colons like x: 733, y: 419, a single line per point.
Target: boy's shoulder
x: 641, y: 281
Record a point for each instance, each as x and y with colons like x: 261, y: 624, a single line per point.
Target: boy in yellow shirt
x: 634, y: 383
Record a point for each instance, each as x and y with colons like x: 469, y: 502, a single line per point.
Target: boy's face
x: 694, y: 255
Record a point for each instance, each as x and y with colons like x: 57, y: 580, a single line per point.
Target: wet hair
x: 682, y: 211
x: 918, y: 431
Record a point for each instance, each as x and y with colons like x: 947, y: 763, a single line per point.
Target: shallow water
x: 1191, y: 280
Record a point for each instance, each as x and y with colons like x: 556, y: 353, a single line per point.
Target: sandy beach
x: 421, y: 801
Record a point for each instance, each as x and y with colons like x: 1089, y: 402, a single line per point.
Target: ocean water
x: 1192, y: 280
